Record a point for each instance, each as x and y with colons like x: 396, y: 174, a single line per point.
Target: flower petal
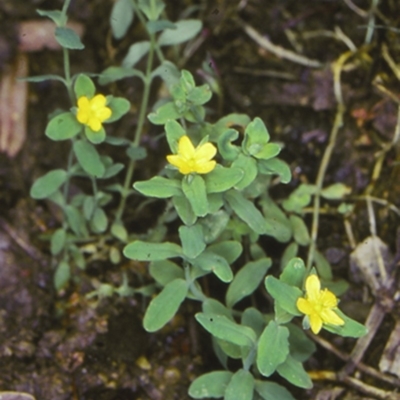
x: 330, y: 317
x: 103, y: 114
x: 304, y: 306
x: 205, y: 167
x: 205, y: 152
x: 94, y: 124
x: 328, y: 299
x: 315, y: 323
x: 185, y: 148
x: 98, y: 101
x: 313, y: 287
x: 83, y: 102
x: 179, y: 162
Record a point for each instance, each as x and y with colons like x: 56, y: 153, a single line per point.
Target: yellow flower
x: 92, y: 112
x: 318, y: 305
x: 190, y: 159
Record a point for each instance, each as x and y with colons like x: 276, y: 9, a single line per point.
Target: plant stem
x: 139, y: 128
x: 337, y: 69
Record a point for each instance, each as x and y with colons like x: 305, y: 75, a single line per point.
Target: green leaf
x: 159, y: 187
x: 223, y: 328
x: 293, y: 273
x: 272, y: 391
x: 226, y: 148
x: 89, y: 204
x: 48, y: 184
x: 350, y: 328
x: 229, y: 121
x: 277, y: 224
x: 249, y: 166
x: 209, y: 261
x: 121, y: 18
x: 152, y: 8
x: 84, y: 86
x: 185, y: 30
x: 215, y: 202
x: 300, y: 230
x: 42, y: 78
x: 323, y: 267
x: 113, y: 170
x: 165, y: 305
x: 275, y: 166
x: 164, y: 113
x: 255, y: 136
x: 118, y: 230
x: 268, y: 151
x: 56, y: 15
x: 228, y: 249
x: 289, y: 253
x: 95, y: 137
x: 246, y: 211
x: 192, y: 240
x: 77, y: 256
x: 293, y: 371
x: 160, y: 25
x: 136, y: 153
x: 76, y: 220
x: 63, y: 126
x: 168, y: 72
x: 88, y: 158
x: 337, y: 191
x: 184, y: 210
x: 273, y: 348
x: 119, y: 107
x: 211, y: 385
x: 231, y: 350
x: 62, y: 275
x: 68, y: 38
x: 194, y: 189
x: 99, y: 221
x: 301, y: 347
x: 165, y: 271
x: 254, y: 319
x: 112, y: 74
x: 174, y: 132
x: 199, y: 95
x: 284, y: 294
x: 135, y: 53
x: 221, y: 179
x: 213, y: 225
x: 240, y: 387
x: 212, y: 306
x: 58, y: 239
x: 144, y: 251
x: 247, y: 280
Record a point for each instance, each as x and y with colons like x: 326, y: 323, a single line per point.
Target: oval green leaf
x: 273, y: 348
x: 165, y: 305
x: 63, y: 126
x: 48, y: 184
x: 144, y: 251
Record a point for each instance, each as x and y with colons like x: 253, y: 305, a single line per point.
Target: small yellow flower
x: 190, y: 159
x: 93, y: 112
x: 318, y: 305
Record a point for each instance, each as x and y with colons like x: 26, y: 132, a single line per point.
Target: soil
x: 65, y: 346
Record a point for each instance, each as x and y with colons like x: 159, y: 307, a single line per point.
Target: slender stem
x: 65, y: 7
x: 139, y: 128
x: 94, y: 188
x: 142, y: 20
x: 337, y: 69
x: 67, y: 73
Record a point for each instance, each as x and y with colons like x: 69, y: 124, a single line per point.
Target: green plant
x: 216, y: 188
